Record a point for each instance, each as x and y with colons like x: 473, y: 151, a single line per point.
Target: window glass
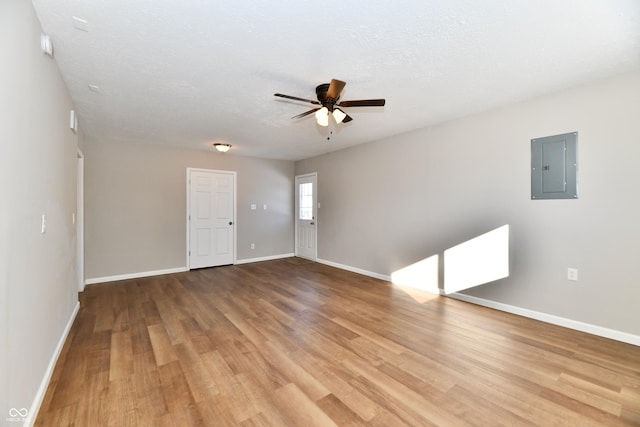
x: 306, y: 201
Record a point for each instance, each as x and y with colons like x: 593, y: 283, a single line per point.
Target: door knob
x: 312, y: 223
x: 230, y: 223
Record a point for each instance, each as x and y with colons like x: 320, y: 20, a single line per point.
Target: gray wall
x: 38, y: 284
x: 135, y: 201
x: 388, y: 204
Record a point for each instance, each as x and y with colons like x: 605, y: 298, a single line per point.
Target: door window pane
x: 306, y: 201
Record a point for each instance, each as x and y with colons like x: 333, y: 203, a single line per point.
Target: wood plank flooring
x: 294, y: 343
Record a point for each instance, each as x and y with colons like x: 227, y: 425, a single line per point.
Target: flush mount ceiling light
x: 223, y: 148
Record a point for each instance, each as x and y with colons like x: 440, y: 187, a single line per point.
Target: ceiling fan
x: 328, y: 95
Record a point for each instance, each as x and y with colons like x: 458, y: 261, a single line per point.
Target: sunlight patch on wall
x: 477, y: 261
x: 422, y: 275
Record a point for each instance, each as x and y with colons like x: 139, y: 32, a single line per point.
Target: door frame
x: 80, y: 221
x: 315, y: 213
x: 234, y: 174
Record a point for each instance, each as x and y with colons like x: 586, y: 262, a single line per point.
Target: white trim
x: 550, y: 318
x: 188, y: 218
x: 134, y: 275
x: 80, y: 221
x: 44, y: 384
x: 235, y: 210
x: 264, y: 258
x: 355, y: 270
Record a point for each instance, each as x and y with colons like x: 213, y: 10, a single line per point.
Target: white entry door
x: 306, y: 224
x: 210, y: 218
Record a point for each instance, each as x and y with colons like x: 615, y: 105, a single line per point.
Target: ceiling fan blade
x: 296, y: 98
x: 363, y: 103
x: 347, y: 119
x: 335, y: 89
x: 306, y: 113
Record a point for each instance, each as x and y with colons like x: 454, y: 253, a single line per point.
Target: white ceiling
x: 192, y: 72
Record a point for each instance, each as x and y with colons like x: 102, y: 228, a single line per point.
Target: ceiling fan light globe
x: 339, y: 115
x: 322, y: 116
x: 323, y: 121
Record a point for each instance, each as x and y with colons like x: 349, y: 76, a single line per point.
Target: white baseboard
x: 264, y: 258
x: 549, y: 318
x: 44, y: 384
x: 134, y: 275
x: 355, y: 270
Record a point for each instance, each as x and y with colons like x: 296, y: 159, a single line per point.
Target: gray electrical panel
x: 554, y: 167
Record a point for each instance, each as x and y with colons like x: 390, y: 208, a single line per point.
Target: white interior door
x: 306, y: 211
x: 211, y: 218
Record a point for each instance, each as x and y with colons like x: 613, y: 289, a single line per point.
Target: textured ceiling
x: 193, y: 72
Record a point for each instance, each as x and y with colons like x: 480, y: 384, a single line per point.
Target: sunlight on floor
x: 418, y: 294
x: 419, y: 280
x: 477, y: 261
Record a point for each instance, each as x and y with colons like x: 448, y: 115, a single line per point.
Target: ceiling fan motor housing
x: 321, y: 93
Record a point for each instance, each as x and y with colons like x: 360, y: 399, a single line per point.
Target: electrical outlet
x: 572, y: 274
x: 43, y: 226
x: 253, y: 246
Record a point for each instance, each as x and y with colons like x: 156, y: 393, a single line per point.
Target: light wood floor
x: 293, y: 343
